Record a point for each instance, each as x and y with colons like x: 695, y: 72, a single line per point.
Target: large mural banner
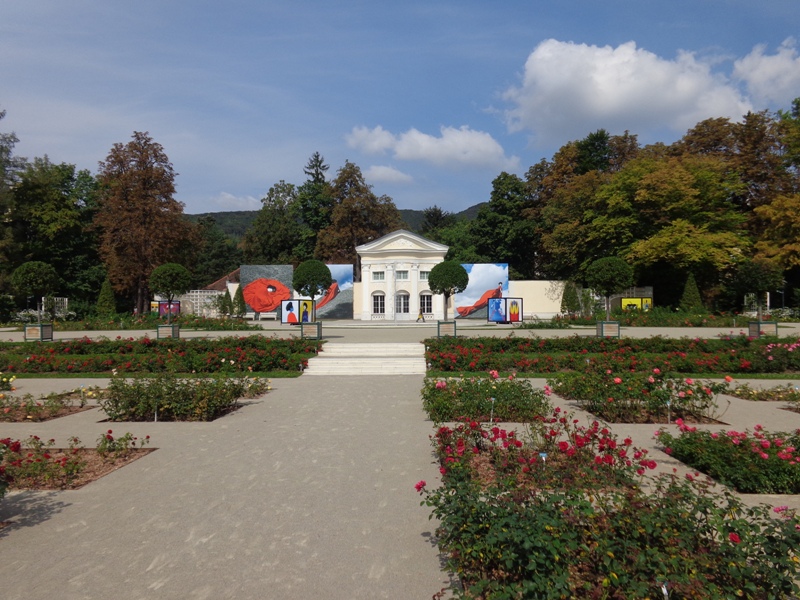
x: 337, y: 301
x: 486, y: 281
x: 264, y: 287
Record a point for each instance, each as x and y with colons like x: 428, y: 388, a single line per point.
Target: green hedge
x: 738, y: 354
x: 169, y: 398
x: 199, y: 355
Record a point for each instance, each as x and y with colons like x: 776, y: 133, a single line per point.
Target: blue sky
x: 431, y: 99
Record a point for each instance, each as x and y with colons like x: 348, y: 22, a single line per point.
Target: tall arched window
x: 426, y: 303
x: 401, y: 303
x: 378, y: 303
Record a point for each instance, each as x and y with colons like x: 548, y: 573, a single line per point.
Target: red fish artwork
x: 265, y: 295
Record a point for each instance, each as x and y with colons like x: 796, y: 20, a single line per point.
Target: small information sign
x: 608, y: 329
x: 446, y: 329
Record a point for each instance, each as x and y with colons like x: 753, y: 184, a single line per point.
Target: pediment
x: 402, y: 241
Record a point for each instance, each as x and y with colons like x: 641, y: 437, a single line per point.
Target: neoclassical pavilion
x: 394, y: 277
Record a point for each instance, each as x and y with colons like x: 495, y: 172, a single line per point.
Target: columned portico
x: 394, y: 277
x: 414, y: 309
x: 366, y: 301
x: 389, y: 274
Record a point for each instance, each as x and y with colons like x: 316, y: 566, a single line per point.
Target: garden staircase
x: 368, y: 359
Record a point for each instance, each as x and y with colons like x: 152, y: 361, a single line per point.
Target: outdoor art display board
x: 486, y: 281
x: 636, y: 303
x: 294, y: 312
x: 162, y: 307
x: 505, y: 310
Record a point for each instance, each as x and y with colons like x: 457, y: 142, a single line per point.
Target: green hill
x: 234, y: 223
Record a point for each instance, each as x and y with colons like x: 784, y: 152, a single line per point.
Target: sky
x: 432, y: 100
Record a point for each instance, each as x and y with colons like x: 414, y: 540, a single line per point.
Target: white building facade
x: 394, y: 278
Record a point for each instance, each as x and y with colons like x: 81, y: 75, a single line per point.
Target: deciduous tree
x: 502, y: 233
x: 311, y: 278
x: 358, y: 216
x: 170, y: 280
x: 607, y: 276
x: 10, y: 166
x: 50, y: 220
x: 35, y: 278
x: 780, y: 238
x: 141, y: 223
x: 275, y: 232
x: 448, y: 278
x: 758, y: 276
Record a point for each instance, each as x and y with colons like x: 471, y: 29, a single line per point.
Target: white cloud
x: 384, y: 174
x: 455, y: 147
x: 371, y: 141
x: 774, y: 77
x: 226, y: 201
x: 569, y: 90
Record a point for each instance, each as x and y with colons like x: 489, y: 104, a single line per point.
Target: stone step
x: 368, y: 359
x: 365, y: 366
x: 389, y: 350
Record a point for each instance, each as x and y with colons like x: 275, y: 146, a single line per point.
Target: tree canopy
x: 35, y: 278
x: 141, y: 224
x: 758, y: 276
x: 607, y: 276
x: 448, y: 278
x: 274, y: 234
x: 311, y: 278
x: 170, y: 280
x: 358, y: 216
x: 726, y: 192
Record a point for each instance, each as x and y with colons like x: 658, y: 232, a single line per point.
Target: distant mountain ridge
x: 234, y: 223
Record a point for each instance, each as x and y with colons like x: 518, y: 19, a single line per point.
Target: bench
x: 254, y: 316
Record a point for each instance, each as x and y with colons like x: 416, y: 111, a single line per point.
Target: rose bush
x: 167, y: 397
x: 640, y: 398
x: 198, y: 355
x: 733, y: 354
x: 757, y: 462
x: 541, y: 517
x: 483, y: 398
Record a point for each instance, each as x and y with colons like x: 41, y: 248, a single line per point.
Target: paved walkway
x: 306, y: 492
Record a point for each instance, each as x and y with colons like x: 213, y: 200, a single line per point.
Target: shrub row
x: 152, y: 320
x: 640, y: 398
x: 166, y: 397
x: 483, y: 399
x: 202, y: 355
x: 751, y: 462
x: 722, y: 356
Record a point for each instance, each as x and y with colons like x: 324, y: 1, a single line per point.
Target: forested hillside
x: 234, y: 223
